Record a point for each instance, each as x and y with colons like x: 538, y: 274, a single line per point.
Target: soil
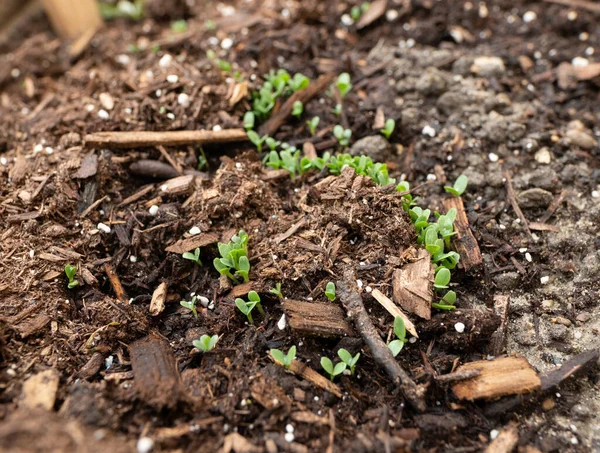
x: 476, y: 88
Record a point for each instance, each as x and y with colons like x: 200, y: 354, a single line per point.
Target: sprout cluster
x: 234, y: 258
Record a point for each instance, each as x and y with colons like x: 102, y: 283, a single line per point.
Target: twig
x: 583, y: 4
x: 355, y: 308
x: 137, y: 139
x: 115, y: 282
x: 172, y: 161
x: 93, y: 206
x: 305, y: 95
x: 553, y: 206
x: 137, y: 195
x: 510, y: 193
x: 457, y: 376
x: 300, y: 369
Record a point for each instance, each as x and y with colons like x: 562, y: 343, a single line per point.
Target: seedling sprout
x: 460, y: 185
x: 195, y: 257
x: 277, y: 290
x: 70, y: 271
x: 348, y: 359
x: 206, y: 343
x: 400, y: 331
x: 388, y: 130
x: 312, y: 124
x: 332, y: 370
x: 297, y: 109
x: 247, y: 307
x: 190, y: 305
x: 330, y: 291
x: 285, y: 359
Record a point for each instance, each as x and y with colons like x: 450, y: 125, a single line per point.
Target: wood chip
x: 115, y: 283
x: 379, y: 122
x: 464, y: 242
x: 309, y: 417
x: 156, y: 378
x: 157, y: 304
x: 137, y: 195
x: 179, y: 185
x: 19, y: 170
x: 308, y: 150
x: 39, y: 391
x: 506, y: 441
x: 236, y: 443
x: 499, y: 377
x: 88, y: 168
x: 498, y: 338
x: 394, y: 310
x: 412, y: 285
x: 240, y: 91
x: 16, y: 218
x: 200, y: 240
x: 300, y: 369
x: 318, y: 319
x: 375, y: 11
x: 266, y: 392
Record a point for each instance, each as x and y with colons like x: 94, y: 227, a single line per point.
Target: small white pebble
x: 391, y: 15
x: 11, y: 372
x: 412, y: 340
x: 226, y: 43
x: 3, y: 161
x: 493, y: 157
x: 238, y: 165
x: 595, y: 193
x: 578, y: 335
x: 133, y: 259
x: 31, y: 253
x: 589, y: 51
x: 183, y: 100
x: 164, y: 187
x: 368, y: 289
x: 103, y: 114
x: 281, y: 323
x: 145, y: 445
x: 213, y: 41
x: 346, y: 20
x: 171, y: 116
x: 15, y: 73
x: 316, y: 398
x: 109, y: 361
x: 359, y: 283
x: 123, y: 59
x: 543, y: 156
x: 103, y: 227
x: 217, y: 128
x: 158, y: 93
x: 38, y: 148
x: 49, y: 150
x: 522, y: 249
x: 460, y: 327
x: 165, y: 61
x: 153, y: 210
x: 545, y: 279
x: 572, y: 15
x: 574, y: 440
x: 289, y: 428
x: 431, y: 177
x: 285, y: 13
x: 428, y: 130
x: 204, y: 301
x: 529, y: 16
x: 528, y: 257
x: 194, y: 231
x: 584, y: 36
x: 494, y: 433
x: 289, y: 437
x: 580, y: 62
x: 483, y: 10
x: 211, y: 306
x: 172, y: 78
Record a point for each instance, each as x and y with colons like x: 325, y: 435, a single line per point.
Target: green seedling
x: 389, y: 127
x: 355, y: 13
x: 202, y: 161
x: 195, y: 257
x: 179, y: 26
x: 125, y: 9
x: 210, y: 25
x: 312, y: 124
x: 343, y: 84
x: 223, y: 65
x: 297, y: 109
x: 337, y: 110
x: 271, y: 143
x: 332, y: 370
x: 298, y: 82
x: 247, y: 307
x: 206, y: 343
x: 447, y: 302
x: 330, y: 291
x: 234, y: 257
x: 70, y: 272
x: 190, y: 305
x: 442, y: 278
x: 249, y: 120
x: 348, y: 359
x: 342, y: 135
x: 285, y: 359
x: 400, y: 330
x: 277, y: 290
x: 407, y: 199
x: 256, y: 139
x: 460, y: 185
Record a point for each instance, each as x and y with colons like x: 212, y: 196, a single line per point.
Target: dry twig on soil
x: 355, y: 308
x: 137, y: 139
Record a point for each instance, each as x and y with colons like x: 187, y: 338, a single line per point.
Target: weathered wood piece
x: 39, y: 391
x: 300, y: 369
x: 499, y: 377
x: 156, y: 378
x: 179, y: 185
x: 305, y: 95
x: 464, y: 242
x: 394, y: 310
x: 185, y: 245
x: 319, y: 319
x: 412, y: 285
x: 115, y: 283
x: 137, y: 139
x: 355, y: 309
x: 498, y: 339
x: 157, y: 304
x: 505, y: 442
x: 73, y: 18
x: 375, y: 11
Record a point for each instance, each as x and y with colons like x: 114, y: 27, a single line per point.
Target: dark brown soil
x: 304, y: 232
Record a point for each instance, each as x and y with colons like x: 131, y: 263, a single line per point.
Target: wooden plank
x: 73, y: 18
x: 412, y: 285
x: 156, y: 378
x: 464, y: 242
x: 137, y: 139
x: 200, y: 240
x: 499, y: 377
x: 318, y: 319
x: 394, y: 310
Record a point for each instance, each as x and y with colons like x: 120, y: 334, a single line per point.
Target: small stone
x: 102, y: 227
x: 581, y: 411
x: 507, y: 280
x: 204, y: 301
x: 183, y: 100
x: 429, y: 131
x: 226, y: 43
x: 493, y: 157
x: 529, y: 16
x: 581, y: 139
x: 563, y: 321
x: 548, y: 404
x: 488, y: 66
x: 535, y: 198
x: 194, y: 231
x: 374, y: 146
x: 289, y: 428
x: 460, y: 327
x: 557, y: 332
x: 133, y: 259
x: 107, y: 101
x: 103, y: 114
x: 544, y: 280
x: 580, y: 62
x: 494, y: 433
x: 289, y: 437
x: 165, y: 61
x: 172, y: 78
x: 281, y: 324
x: 583, y: 317
x: 543, y: 156
x: 153, y: 210
x: 347, y: 20
x: 145, y: 445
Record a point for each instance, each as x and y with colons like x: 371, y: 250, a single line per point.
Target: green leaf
x: 343, y: 84
x: 345, y: 356
x: 70, y: 271
x: 278, y: 355
x: 244, y: 264
x: 241, y: 305
x: 253, y: 296
x: 291, y: 355
x: 442, y: 278
x: 339, y: 368
x: 449, y: 297
x: 249, y: 120
x: 297, y: 108
x: 213, y: 342
x: 330, y: 291
x: 396, y: 346
x: 327, y: 365
x: 72, y: 284
x: 400, y: 328
x: 179, y: 26
x: 460, y: 185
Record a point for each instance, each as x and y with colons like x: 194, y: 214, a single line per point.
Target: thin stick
x: 115, y: 282
x: 172, y: 161
x: 305, y: 95
x: 138, y: 139
x: 394, y: 310
x: 583, y: 4
x: 510, y: 193
x: 355, y: 308
x: 93, y: 206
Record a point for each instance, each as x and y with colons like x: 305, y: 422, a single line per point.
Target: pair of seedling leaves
x: 234, y: 258
x: 247, y: 307
x: 206, y: 343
